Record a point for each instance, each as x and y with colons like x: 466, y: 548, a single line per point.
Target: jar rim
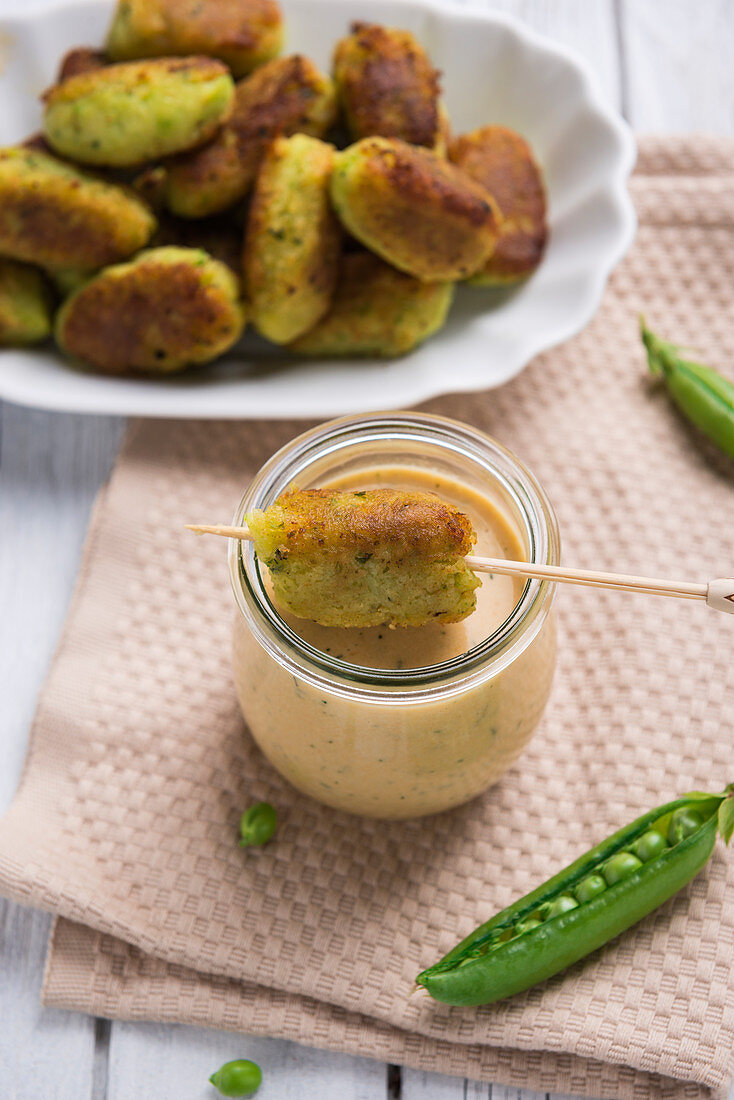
x: 484, y: 659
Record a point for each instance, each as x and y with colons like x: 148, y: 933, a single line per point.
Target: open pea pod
x: 597, y: 897
x: 703, y: 395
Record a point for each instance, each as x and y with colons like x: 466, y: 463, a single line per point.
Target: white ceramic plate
x: 495, y: 70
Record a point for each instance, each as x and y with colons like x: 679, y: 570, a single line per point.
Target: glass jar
x: 396, y: 742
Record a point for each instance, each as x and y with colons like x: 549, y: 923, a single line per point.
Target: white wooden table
x: 666, y: 64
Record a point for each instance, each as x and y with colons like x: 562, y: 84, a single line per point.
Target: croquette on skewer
x: 372, y: 558
x: 378, y: 557
x: 386, y: 557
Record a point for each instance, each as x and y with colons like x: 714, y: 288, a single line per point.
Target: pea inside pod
x: 597, y: 897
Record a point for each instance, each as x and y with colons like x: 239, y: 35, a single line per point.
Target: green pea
x: 476, y: 953
x: 703, y: 395
x: 527, y: 925
x: 257, y: 824
x: 650, y: 845
x: 240, y: 1078
x: 590, y: 887
x: 563, y: 904
x: 683, y: 823
x: 620, y: 866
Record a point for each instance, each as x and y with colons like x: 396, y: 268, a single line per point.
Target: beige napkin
x: 139, y: 762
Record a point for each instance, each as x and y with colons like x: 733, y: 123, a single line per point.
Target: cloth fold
x: 139, y: 762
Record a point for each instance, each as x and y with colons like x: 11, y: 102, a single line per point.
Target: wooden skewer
x: 718, y: 594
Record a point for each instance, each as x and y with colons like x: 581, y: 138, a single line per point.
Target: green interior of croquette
x: 347, y: 588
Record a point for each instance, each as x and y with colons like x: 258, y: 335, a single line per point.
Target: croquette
x: 503, y: 163
x: 54, y: 215
x: 123, y: 115
x: 286, y: 96
x: 372, y: 558
x: 82, y: 59
x: 166, y: 309
x: 25, y: 304
x: 241, y: 33
x: 291, y: 255
x: 388, y: 87
x: 377, y: 311
x: 415, y: 210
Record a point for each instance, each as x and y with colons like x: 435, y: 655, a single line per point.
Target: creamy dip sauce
x: 375, y: 750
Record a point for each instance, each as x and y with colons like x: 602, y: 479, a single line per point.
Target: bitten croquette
x: 415, y: 210
x: 166, y: 309
x: 292, y: 246
x: 372, y: 558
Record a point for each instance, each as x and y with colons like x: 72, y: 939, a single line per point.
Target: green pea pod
x: 527, y: 942
x: 703, y: 395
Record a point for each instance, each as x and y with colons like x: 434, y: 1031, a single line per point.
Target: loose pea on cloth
x: 139, y: 762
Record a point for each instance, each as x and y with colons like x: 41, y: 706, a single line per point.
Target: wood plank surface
x: 43, y: 1052
x: 179, y: 1061
x: 417, y: 1085
x: 678, y: 60
x: 50, y: 469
